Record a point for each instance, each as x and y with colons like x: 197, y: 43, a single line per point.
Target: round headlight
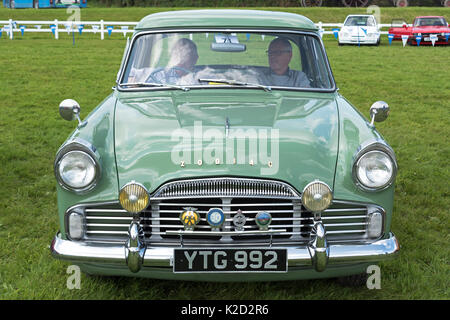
x: 134, y: 197
x: 375, y: 170
x: 317, y: 196
x: 76, y: 170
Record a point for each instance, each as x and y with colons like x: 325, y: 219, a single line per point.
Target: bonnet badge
x: 239, y: 220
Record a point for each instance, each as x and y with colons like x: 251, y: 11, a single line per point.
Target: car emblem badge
x: 239, y: 220
x: 189, y: 218
x: 215, y: 218
x: 263, y: 220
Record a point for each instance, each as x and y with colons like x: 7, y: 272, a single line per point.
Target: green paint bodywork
x: 136, y: 132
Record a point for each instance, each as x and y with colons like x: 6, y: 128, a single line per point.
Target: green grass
x: 136, y: 13
x: 38, y: 72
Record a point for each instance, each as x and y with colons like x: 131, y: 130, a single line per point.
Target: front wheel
x: 355, y: 3
x: 401, y: 3
x: 311, y: 3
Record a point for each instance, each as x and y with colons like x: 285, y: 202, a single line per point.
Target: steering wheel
x: 166, y: 74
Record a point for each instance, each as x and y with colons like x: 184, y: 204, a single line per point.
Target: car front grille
x: 344, y: 221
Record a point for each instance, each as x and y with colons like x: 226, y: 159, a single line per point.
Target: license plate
x: 229, y: 260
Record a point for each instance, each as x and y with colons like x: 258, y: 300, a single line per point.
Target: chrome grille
x: 107, y: 222
x: 344, y: 221
x: 164, y: 216
x: 225, y: 187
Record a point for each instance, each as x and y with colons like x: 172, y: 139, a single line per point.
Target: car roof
x: 232, y: 18
x: 360, y: 15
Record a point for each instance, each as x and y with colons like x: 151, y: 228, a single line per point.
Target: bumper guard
x: 135, y: 254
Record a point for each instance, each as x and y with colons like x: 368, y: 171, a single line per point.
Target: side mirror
x: 379, y: 112
x: 70, y: 109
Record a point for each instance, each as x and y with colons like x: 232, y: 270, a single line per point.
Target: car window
x: 358, y: 21
x: 278, y: 60
x: 426, y: 22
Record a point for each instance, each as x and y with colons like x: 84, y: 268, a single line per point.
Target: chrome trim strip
x: 222, y: 233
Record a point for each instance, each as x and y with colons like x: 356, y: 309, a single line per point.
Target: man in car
x: 180, y: 67
x: 279, y: 74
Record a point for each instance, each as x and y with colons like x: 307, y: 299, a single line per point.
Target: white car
x: 359, y: 29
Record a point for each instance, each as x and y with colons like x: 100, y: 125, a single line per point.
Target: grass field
x: 38, y: 72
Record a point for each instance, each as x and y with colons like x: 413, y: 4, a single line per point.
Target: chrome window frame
x: 224, y: 86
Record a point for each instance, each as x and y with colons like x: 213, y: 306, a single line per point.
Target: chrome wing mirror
x: 70, y: 109
x: 379, y: 112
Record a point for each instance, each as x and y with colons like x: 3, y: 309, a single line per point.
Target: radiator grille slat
x: 343, y: 220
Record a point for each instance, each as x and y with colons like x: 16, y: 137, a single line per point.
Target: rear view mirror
x: 228, y: 47
x: 227, y: 43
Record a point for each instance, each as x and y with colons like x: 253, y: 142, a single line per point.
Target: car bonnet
x: 169, y: 134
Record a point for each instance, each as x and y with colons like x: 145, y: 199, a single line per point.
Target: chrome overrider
x: 135, y: 247
x: 318, y: 253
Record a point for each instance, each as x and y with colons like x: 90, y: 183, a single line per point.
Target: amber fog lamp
x: 317, y: 196
x: 134, y: 197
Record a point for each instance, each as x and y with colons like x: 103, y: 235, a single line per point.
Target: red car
x: 425, y: 26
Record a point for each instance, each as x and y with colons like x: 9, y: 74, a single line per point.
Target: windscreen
x: 202, y: 59
x: 427, y: 22
x: 360, y: 21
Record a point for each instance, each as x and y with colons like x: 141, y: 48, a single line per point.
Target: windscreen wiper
x: 237, y: 83
x: 150, y: 84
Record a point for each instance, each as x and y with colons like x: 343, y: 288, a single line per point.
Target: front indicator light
x: 76, y: 226
x: 317, y: 196
x: 134, y: 197
x: 375, y: 225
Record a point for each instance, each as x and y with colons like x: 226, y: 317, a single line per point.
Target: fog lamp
x: 317, y: 196
x: 134, y: 197
x: 375, y: 225
x: 76, y: 225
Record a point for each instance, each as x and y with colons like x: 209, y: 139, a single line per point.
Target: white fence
x: 56, y: 27
x: 102, y: 27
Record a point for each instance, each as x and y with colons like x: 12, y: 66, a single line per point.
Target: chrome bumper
x: 318, y: 253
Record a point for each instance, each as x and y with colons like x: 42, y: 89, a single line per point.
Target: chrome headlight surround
x: 365, y: 149
x: 86, y: 149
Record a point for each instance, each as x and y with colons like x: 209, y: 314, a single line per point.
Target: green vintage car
x: 225, y: 153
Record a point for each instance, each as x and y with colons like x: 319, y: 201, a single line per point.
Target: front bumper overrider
x: 135, y: 254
